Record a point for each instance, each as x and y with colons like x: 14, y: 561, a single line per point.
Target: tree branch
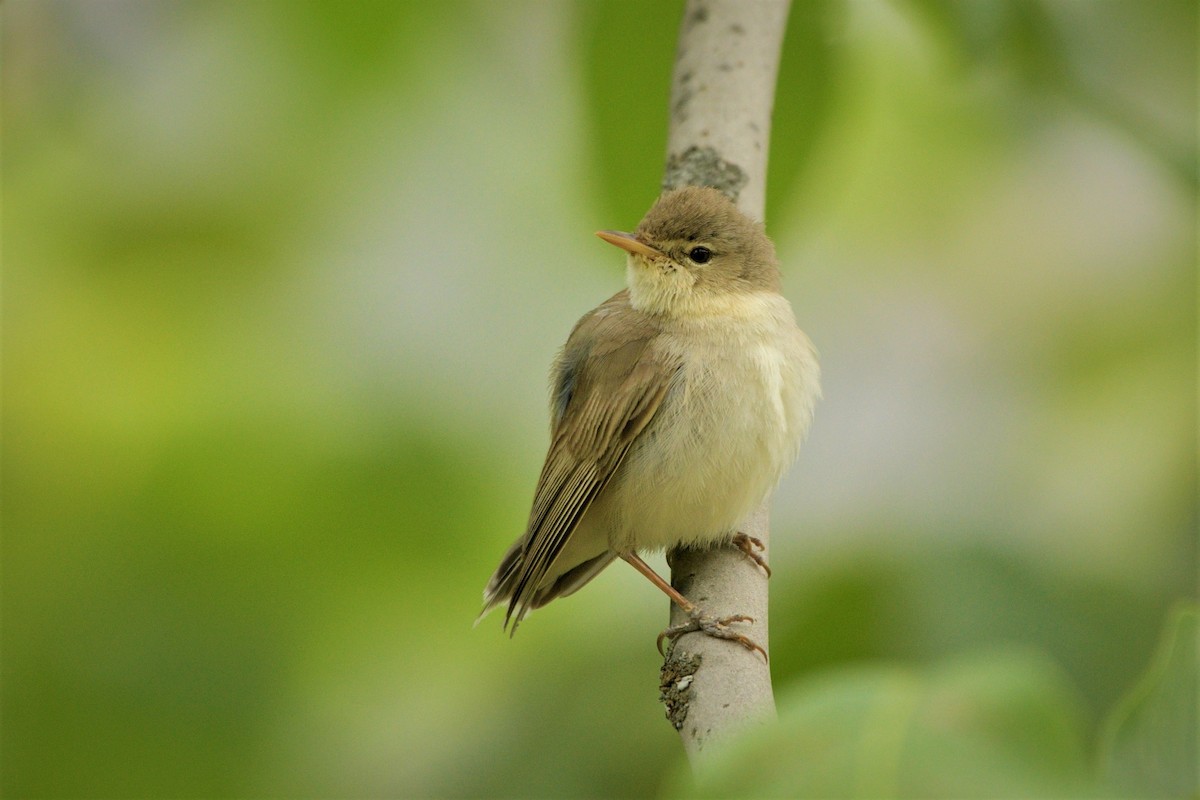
x: 721, y: 100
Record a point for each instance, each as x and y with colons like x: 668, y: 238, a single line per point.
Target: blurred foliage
x: 281, y: 282
x: 1148, y: 747
x: 989, y: 724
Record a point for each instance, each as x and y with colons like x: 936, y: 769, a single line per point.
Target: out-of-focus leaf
x: 993, y: 724
x: 884, y: 602
x: 1148, y: 746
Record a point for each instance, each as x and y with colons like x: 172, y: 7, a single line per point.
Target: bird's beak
x: 630, y: 243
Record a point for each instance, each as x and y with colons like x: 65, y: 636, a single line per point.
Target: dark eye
x: 700, y: 255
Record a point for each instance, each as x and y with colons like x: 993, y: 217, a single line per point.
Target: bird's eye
x: 700, y: 255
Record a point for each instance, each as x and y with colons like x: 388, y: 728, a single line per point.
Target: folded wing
x: 609, y: 381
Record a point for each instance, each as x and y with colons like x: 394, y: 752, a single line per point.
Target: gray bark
x: 721, y: 100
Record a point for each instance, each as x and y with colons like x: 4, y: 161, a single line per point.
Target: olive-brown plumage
x: 676, y: 405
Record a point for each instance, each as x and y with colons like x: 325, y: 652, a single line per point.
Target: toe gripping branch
x: 698, y: 618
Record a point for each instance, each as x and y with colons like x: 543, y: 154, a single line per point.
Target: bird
x: 676, y: 407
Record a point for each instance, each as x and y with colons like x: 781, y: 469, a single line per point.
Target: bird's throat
x: 658, y: 287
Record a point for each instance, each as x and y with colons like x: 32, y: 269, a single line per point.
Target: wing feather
x: 611, y: 378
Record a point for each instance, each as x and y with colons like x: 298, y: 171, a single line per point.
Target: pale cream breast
x: 728, y: 429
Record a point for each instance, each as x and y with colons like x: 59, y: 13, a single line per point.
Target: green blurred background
x: 282, y: 281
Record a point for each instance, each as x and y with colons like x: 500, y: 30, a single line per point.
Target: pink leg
x: 697, y: 619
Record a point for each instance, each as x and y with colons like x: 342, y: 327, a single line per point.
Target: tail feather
x: 500, y: 587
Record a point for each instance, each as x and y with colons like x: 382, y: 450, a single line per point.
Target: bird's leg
x: 748, y: 545
x: 698, y: 619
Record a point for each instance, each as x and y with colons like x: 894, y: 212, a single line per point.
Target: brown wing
x: 609, y: 381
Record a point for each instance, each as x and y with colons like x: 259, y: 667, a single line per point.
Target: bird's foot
x: 716, y: 627
x: 748, y: 545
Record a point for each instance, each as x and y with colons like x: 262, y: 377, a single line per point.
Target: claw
x: 748, y: 544
x: 718, y: 628
x: 697, y: 619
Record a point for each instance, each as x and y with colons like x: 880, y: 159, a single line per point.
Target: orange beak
x: 630, y: 243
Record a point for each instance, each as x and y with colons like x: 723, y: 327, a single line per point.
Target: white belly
x: 724, y: 436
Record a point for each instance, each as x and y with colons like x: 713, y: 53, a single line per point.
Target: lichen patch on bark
x: 675, y: 685
x: 703, y: 166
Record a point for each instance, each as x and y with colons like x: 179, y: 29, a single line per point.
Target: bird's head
x: 693, y: 252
